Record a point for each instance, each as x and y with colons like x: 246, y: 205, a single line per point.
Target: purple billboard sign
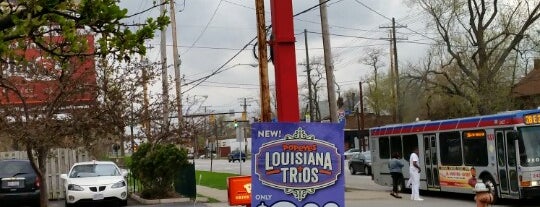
x: 297, y: 165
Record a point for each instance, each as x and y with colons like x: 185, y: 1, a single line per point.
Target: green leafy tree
x: 156, y: 167
x: 58, y: 29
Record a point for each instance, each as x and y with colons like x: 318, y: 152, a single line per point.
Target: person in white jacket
x: 414, y: 172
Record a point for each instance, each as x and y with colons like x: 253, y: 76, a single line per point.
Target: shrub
x: 155, y: 166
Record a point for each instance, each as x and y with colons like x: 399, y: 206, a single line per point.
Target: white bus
x: 502, y: 149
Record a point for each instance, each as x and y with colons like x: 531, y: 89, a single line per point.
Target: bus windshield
x: 529, y: 148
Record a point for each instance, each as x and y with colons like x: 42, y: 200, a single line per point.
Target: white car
x: 95, y: 181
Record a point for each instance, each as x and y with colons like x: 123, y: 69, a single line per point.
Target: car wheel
x: 229, y: 160
x: 243, y: 160
x: 352, y: 170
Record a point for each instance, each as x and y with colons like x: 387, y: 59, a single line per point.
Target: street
x: 360, y: 191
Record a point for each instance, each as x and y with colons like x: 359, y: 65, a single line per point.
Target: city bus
x: 502, y: 150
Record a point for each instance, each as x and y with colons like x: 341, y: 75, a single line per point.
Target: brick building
x: 527, y: 91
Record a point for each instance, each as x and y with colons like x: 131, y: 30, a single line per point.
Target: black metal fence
x: 134, y: 185
x: 184, y: 182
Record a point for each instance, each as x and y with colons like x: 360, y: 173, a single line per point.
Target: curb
x: 165, y: 200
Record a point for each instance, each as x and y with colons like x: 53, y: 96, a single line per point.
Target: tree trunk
x: 41, y: 171
x: 42, y: 159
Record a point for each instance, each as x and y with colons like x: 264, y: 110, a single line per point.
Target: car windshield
x: 94, y: 170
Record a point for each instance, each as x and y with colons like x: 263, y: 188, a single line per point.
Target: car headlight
x: 74, y: 187
x: 119, y: 184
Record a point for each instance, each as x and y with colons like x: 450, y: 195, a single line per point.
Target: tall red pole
x: 284, y: 61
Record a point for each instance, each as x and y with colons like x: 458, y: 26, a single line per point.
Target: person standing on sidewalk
x: 395, y: 166
x: 414, y: 172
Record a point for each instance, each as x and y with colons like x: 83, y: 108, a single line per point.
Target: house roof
x: 530, y: 84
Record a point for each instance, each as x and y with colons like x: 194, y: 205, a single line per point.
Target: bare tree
x: 374, y: 59
x: 478, y: 36
x: 379, y: 97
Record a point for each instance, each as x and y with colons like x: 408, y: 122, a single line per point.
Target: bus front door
x: 431, y: 162
x: 507, y: 164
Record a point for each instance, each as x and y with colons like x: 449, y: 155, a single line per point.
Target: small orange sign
x: 239, y: 190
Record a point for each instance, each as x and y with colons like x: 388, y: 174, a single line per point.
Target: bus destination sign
x: 475, y: 134
x: 531, y: 119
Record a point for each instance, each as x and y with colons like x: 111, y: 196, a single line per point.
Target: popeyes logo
x: 299, y: 164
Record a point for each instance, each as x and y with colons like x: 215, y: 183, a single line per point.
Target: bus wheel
x: 490, y: 184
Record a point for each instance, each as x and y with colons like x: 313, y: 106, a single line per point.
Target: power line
x: 338, y: 26
x: 221, y: 68
x: 205, y: 28
x: 341, y: 35
x: 240, y: 5
x: 373, y: 10
x: 390, y: 19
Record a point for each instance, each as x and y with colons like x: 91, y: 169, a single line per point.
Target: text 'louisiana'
x: 299, y: 167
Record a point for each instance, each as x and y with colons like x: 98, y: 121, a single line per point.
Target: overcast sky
x: 210, y: 32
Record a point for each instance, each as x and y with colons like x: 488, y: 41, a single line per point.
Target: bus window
x: 500, y: 150
x: 529, y: 146
x: 475, y: 148
x: 384, y: 148
x: 511, y: 151
x: 409, y: 143
x: 395, y: 145
x: 450, y: 145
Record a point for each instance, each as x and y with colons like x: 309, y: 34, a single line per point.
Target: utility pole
x: 244, y: 113
x: 308, y: 70
x: 266, y: 111
x: 244, y: 129
x: 176, y: 61
x: 392, y: 77
x: 362, y: 126
x: 395, y: 72
x: 165, y: 81
x: 213, y: 120
x: 146, y: 102
x: 357, y: 112
x: 328, y: 64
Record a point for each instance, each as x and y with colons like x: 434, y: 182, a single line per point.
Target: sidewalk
x: 368, y: 193
x: 220, y: 195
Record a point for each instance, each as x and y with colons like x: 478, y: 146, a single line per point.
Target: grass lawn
x: 213, y: 179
